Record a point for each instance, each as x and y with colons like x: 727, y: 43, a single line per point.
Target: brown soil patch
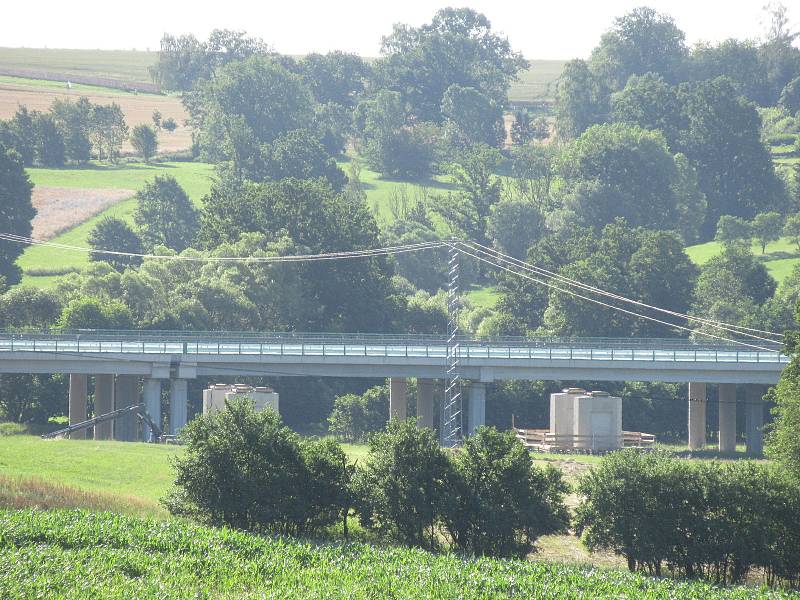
x: 137, y: 108
x: 58, y: 209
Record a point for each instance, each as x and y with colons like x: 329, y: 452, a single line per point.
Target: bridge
x: 119, y: 359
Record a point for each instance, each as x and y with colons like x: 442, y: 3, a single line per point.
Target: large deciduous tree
x: 115, y: 235
x: 164, y: 215
x: 472, y: 117
x: 582, y: 100
x: 457, y: 47
x: 16, y: 212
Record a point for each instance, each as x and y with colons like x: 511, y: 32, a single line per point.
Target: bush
x: 245, y: 469
x: 501, y: 502
x: 354, y: 416
x: 402, y: 490
x: 698, y: 519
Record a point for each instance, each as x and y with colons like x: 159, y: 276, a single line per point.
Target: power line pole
x: 451, y: 432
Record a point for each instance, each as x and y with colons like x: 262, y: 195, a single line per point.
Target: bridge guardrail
x: 386, y: 349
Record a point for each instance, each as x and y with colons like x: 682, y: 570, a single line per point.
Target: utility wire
x: 617, y: 308
x: 497, y: 255
x: 226, y: 259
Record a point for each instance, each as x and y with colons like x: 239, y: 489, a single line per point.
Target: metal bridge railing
x: 417, y: 348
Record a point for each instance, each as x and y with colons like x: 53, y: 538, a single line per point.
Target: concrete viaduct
x: 119, y: 360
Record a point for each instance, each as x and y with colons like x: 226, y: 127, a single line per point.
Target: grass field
x: 138, y: 108
x: 195, y: 178
x: 780, y: 258
x: 536, y: 82
x: 125, y: 65
x: 74, y: 554
x: 484, y: 297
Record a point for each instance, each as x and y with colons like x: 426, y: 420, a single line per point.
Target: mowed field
x: 780, y: 258
x: 537, y: 82
x: 138, y: 108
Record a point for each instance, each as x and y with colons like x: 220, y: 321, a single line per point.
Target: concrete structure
x: 697, y: 415
x: 727, y: 417
x: 103, y: 403
x: 425, y: 403
x: 78, y: 397
x: 597, y: 421
x: 562, y: 422
x: 754, y: 420
x: 398, y: 399
x: 126, y: 393
x: 178, y: 405
x: 476, y: 413
x: 263, y: 398
x: 179, y: 357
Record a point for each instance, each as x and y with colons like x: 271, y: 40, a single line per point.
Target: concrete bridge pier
x: 754, y: 420
x: 178, y: 405
x: 425, y: 403
x: 152, y: 402
x: 477, y: 407
x: 78, y: 396
x: 727, y: 417
x: 126, y: 393
x: 103, y: 403
x: 697, y: 416
x: 398, y: 399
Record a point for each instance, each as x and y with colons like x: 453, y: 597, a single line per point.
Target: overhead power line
x: 501, y: 257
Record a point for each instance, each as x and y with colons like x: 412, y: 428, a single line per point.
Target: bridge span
x: 118, y: 359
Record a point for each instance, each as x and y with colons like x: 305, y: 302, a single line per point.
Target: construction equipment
x: 138, y: 409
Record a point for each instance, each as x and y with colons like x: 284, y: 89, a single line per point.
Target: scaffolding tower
x: 451, y: 431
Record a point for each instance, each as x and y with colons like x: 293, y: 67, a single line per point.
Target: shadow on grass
x: 779, y: 255
x: 711, y: 453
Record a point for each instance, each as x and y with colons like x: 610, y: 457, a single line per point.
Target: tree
x: 355, y: 416
x: 247, y: 104
x: 649, y: 102
x: 50, y: 150
x: 91, y: 313
x: 791, y: 229
x: 642, y: 41
x: 472, y: 117
x: 723, y: 139
x: 169, y: 124
x: 300, y: 155
x: 33, y: 398
x: 245, y: 469
x: 782, y: 439
x: 164, y: 215
x: 336, y: 77
x: 780, y: 59
x: 514, y: 224
x: 22, y: 135
x: 502, y: 503
x: 620, y: 171
x: 115, y: 235
x: 790, y: 96
x: 24, y: 306
x: 739, y: 61
x: 733, y: 230
x: 457, y: 46
x: 74, y: 121
x: 156, y: 118
x: 391, y: 145
x: 108, y: 130
x: 144, y: 141
x: 534, y: 169
x: 767, y: 228
x: 582, y: 100
x: 16, y: 214
x: 402, y: 488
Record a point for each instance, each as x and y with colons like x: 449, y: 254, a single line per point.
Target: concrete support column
x: 477, y: 406
x: 178, y: 404
x: 78, y: 393
x: 398, y: 401
x: 754, y: 420
x: 152, y: 403
x: 103, y: 403
x: 727, y: 417
x: 126, y: 393
x: 697, y: 416
x: 425, y: 403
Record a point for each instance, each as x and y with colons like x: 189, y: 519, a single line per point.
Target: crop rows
x: 76, y: 554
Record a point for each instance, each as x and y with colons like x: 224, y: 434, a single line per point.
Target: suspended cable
x: 617, y: 308
x: 545, y: 273
x: 220, y: 259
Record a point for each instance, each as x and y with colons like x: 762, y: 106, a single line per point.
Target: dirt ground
x: 138, y: 108
x: 59, y: 209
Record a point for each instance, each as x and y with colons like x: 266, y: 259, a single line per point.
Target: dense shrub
x: 402, y: 490
x: 245, y: 469
x: 500, y: 502
x: 696, y: 519
x: 354, y: 416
